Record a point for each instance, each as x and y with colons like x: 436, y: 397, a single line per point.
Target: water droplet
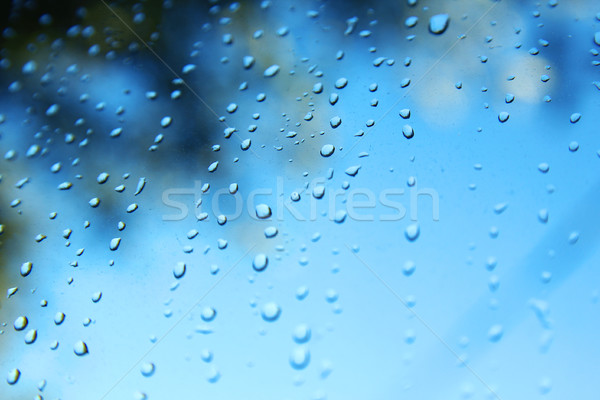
x: 30, y: 336
x: 102, y: 178
x: 318, y: 191
x: 245, y: 145
x: 271, y: 312
x: 300, y: 357
x: 271, y: 71
x: 80, y: 348
x: 263, y: 211
x: 260, y: 262
x: 270, y: 232
x: 543, y: 215
x: 503, y: 116
x: 20, y: 323
x: 114, y: 243
x: 179, y: 270
x: 411, y: 21
x: 147, y: 369
x: 59, y: 318
x: 213, y: 167
x: 575, y: 117
x: 166, y: 121
x: 208, y: 314
x: 408, y: 131
x: 248, y: 62
x: 13, y: 376
x: 96, y: 297
x: 509, y: 98
x: 439, y: 23
x: 26, y: 268
x: 543, y: 167
x: 140, y: 186
x: 335, y: 122
x: 302, y: 333
x: 333, y: 98
x: 495, y: 333
x: 231, y: 108
x: 573, y: 237
x: 327, y: 150
x: 341, y: 83
x: 597, y: 38
x: 353, y: 170
x: 409, y: 268
x: 412, y: 232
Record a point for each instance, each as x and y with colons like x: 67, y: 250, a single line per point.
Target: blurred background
x: 114, y: 114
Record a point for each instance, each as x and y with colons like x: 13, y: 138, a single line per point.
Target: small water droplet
x: 503, y: 116
x: 575, y: 117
